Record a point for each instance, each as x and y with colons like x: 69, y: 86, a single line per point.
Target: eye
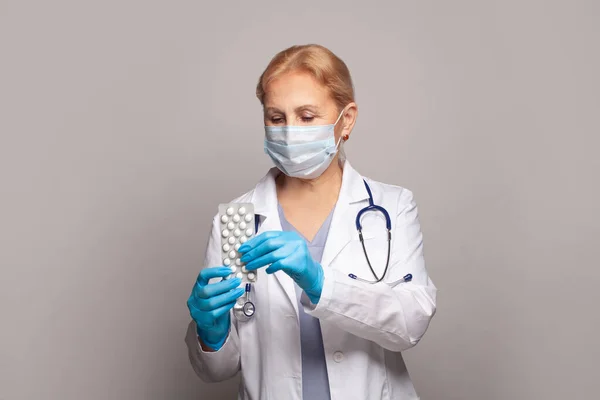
x: 307, y: 118
x: 276, y: 120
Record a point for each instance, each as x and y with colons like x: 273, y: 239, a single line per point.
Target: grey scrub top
x: 315, y: 382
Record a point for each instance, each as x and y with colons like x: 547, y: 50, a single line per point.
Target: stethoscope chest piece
x: 248, y: 309
x: 244, y: 308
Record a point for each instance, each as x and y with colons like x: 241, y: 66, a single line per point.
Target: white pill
x: 251, y: 276
x: 237, y: 246
x: 248, y: 217
x: 230, y: 211
x: 224, y: 219
x: 227, y: 261
x: 242, y: 225
x: 249, y: 232
x: 244, y: 270
x: 226, y: 247
x: 243, y: 239
x: 232, y: 254
x: 231, y: 240
x: 230, y: 225
x: 238, y: 261
x: 236, y: 218
x: 242, y: 210
x: 225, y: 233
x: 233, y: 269
x: 239, y: 275
x: 237, y: 233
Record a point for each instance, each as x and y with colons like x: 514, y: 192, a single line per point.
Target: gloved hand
x: 288, y: 252
x: 209, y: 305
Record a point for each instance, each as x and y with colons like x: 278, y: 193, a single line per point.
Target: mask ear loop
x: 339, y: 116
x: 337, y: 145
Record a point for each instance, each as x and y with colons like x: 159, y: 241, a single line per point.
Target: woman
x: 317, y: 333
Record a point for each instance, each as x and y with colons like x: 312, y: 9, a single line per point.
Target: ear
x: 348, y: 120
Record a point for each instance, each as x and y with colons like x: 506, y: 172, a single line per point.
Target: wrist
x: 314, y: 293
x: 214, y: 346
x: 212, y: 339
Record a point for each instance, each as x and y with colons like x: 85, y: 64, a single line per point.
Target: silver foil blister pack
x: 237, y: 227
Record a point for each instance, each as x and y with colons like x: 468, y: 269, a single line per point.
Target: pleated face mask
x: 302, y: 151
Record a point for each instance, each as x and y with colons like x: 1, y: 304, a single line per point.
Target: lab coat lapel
x: 265, y: 206
x: 342, y: 227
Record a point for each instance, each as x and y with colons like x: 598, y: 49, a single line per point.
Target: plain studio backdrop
x: 124, y: 123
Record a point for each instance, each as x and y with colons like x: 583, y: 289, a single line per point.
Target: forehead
x: 296, y: 88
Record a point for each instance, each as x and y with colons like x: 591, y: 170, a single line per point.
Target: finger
x: 195, y: 312
x: 276, y: 266
x: 286, y: 266
x: 191, y: 303
x: 219, y: 301
x: 257, y: 240
x: 214, y: 289
x: 212, y: 272
x: 219, y: 312
x: 271, y: 257
x: 265, y: 247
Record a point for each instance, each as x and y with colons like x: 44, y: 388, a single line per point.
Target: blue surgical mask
x: 302, y: 151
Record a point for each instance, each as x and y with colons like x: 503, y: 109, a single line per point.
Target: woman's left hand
x: 288, y: 252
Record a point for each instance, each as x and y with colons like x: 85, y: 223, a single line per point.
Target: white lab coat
x: 365, y: 327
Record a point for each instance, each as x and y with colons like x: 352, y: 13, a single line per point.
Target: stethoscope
x: 388, y: 225
x: 244, y: 308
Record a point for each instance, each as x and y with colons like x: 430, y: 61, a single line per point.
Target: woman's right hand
x: 209, y: 305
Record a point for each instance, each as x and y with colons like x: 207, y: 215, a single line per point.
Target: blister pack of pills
x: 237, y: 227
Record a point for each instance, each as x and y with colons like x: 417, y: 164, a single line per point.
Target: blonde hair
x: 320, y: 62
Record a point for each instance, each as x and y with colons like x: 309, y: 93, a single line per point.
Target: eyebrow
x: 308, y: 107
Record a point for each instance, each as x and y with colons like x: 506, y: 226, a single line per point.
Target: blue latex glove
x: 285, y: 251
x: 209, y: 305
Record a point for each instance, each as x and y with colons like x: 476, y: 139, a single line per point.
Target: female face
x: 296, y: 98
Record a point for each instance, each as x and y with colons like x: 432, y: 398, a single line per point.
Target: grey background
x: 124, y: 123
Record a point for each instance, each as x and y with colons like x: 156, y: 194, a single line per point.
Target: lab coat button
x: 338, y: 356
